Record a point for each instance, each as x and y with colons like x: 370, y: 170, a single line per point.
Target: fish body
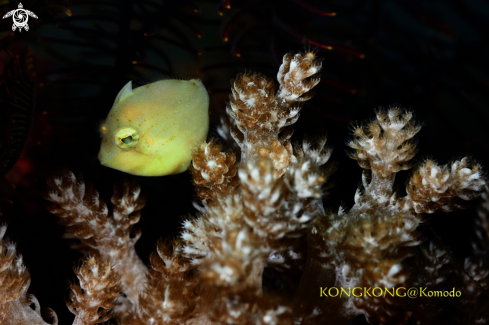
x: 152, y: 130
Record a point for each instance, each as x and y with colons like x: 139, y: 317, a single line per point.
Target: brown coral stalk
x: 86, y: 217
x: 94, y: 298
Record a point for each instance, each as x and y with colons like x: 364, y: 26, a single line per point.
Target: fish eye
x: 126, y: 138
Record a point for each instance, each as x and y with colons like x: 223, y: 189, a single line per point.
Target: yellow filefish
x: 153, y: 129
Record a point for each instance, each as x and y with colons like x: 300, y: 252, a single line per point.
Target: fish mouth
x: 102, y: 161
x: 105, y: 159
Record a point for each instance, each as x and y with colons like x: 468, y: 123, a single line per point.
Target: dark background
x: 428, y: 56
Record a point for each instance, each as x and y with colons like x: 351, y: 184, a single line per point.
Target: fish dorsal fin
x: 125, y: 92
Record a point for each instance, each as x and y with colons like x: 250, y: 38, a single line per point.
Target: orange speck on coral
x: 264, y: 152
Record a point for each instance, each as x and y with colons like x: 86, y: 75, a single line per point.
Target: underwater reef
x: 262, y: 248
x: 268, y: 226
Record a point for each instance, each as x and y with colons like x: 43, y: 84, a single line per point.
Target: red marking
x: 22, y: 167
x: 314, y: 10
x: 322, y: 45
x: 220, y: 9
x: 335, y: 47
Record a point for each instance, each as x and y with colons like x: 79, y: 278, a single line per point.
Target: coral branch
x: 213, y: 171
x: 435, y: 187
x: 93, y: 299
x: 367, y: 244
x: 297, y: 75
x: 260, y: 113
x: 86, y: 217
x: 15, y: 302
x: 170, y: 296
x: 384, y: 147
